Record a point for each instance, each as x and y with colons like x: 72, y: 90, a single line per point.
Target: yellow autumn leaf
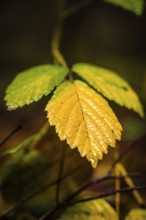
x: 136, y: 214
x: 84, y: 119
x: 97, y: 209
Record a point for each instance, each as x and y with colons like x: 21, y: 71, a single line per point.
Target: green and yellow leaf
x: 110, y: 85
x: 91, y: 210
x: 136, y: 214
x: 135, y: 6
x: 83, y: 118
x: 30, y: 85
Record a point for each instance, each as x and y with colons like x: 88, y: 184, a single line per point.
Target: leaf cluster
x: 80, y: 114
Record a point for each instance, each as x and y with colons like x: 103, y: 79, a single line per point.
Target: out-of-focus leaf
x: 84, y: 119
x: 30, y: 85
x: 14, y: 149
x: 39, y: 206
x: 25, y: 216
x: 110, y: 85
x: 31, y: 142
x: 92, y: 210
x: 136, y: 214
x: 23, y: 174
x: 136, y: 6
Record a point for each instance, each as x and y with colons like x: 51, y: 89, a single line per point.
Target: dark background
x: 100, y: 34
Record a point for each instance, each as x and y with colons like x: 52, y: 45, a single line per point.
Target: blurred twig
x: 130, y: 183
x: 60, y: 172
x: 68, y: 200
x: 64, y: 13
x: 32, y: 141
x: 55, y: 47
x: 75, y: 8
x: 122, y: 190
x: 132, y: 145
x: 117, y: 187
x: 39, y: 191
x: 120, y: 168
x: 10, y: 135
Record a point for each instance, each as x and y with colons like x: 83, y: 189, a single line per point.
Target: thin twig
x: 10, y: 135
x: 129, y: 147
x: 117, y: 164
x: 118, y: 195
x: 39, y: 191
x: 103, y: 195
x: 130, y: 183
x: 60, y: 172
x: 100, y: 180
x: 32, y: 141
x: 51, y: 213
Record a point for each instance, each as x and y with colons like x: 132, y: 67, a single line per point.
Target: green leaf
x: 95, y: 209
x: 30, y: 85
x: 136, y: 6
x: 136, y: 214
x: 109, y: 84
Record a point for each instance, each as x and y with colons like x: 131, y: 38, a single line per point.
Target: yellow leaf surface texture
x: 84, y: 119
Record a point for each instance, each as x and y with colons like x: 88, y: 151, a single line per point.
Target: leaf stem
x: 55, y: 47
x: 75, y: 8
x: 38, y: 136
x: 63, y: 13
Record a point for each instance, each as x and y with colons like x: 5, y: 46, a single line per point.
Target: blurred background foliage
x: 101, y: 34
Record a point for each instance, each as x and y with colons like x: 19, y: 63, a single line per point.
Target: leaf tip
x: 142, y: 114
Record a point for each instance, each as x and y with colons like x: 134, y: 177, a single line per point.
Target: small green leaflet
x: 136, y: 214
x: 30, y: 85
x: 91, y: 210
x: 136, y: 6
x: 109, y: 84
